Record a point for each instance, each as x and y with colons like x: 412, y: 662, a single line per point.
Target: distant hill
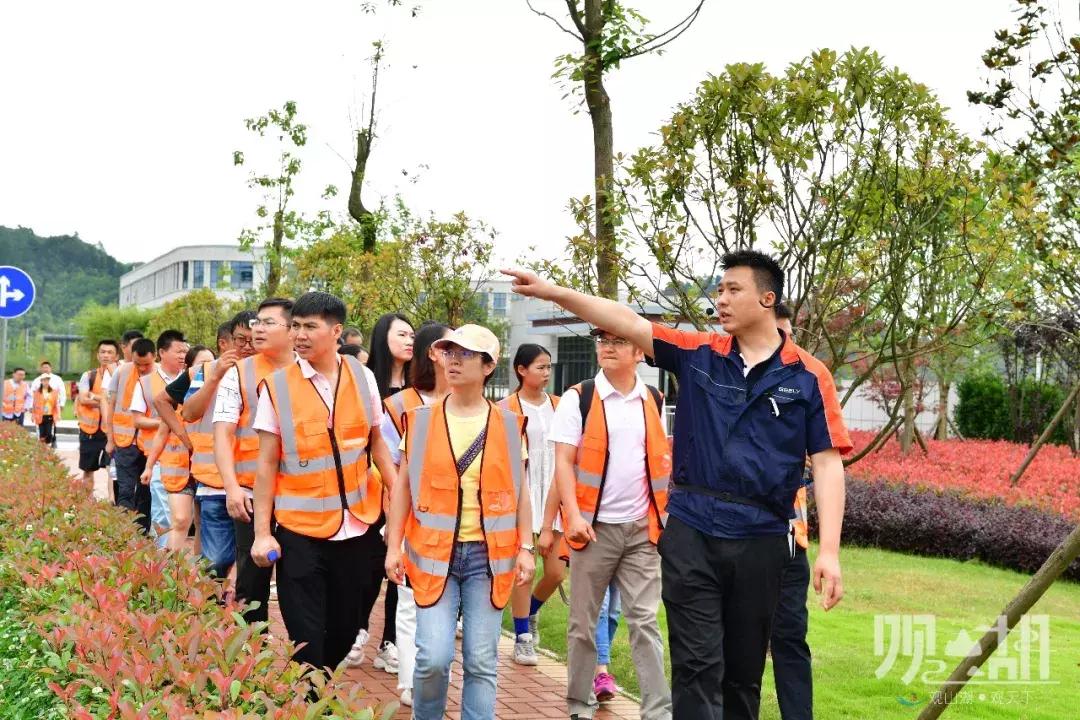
x: 68, y: 273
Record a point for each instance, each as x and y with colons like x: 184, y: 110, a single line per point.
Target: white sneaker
x: 387, y: 659
x: 525, y: 650
x: 406, y: 697
x: 355, y: 658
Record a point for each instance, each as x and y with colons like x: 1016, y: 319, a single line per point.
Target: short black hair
x: 168, y: 337
x: 130, y: 335
x: 351, y: 330
x: 783, y: 311
x: 285, y: 304
x: 44, y: 362
x: 108, y: 342
x: 224, y: 331
x: 319, y: 304
x: 193, y: 352
x: 350, y: 349
x: 244, y: 318
x: 17, y: 370
x: 768, y: 275
x: 142, y: 346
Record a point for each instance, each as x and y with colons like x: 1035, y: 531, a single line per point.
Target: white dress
x: 541, y: 456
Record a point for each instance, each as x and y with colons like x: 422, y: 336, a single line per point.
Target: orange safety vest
x: 432, y: 526
x: 175, y: 463
x: 323, y: 467
x: 590, y: 466
x: 800, y: 525
x: 513, y: 402
x: 201, y: 434
x: 152, y: 383
x: 39, y: 403
x: 400, y: 403
x: 90, y: 415
x: 14, y: 397
x: 123, y: 422
x: 252, y: 371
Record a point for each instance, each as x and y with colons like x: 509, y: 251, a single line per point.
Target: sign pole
x: 3, y: 352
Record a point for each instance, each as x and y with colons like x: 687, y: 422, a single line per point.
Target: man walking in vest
x: 753, y: 407
x: 88, y: 409
x: 612, y: 467
x: 236, y: 442
x: 130, y: 460
x: 318, y: 423
x: 17, y: 396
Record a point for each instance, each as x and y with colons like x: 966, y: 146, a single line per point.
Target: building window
x: 215, y: 273
x: 198, y: 273
x: 577, y: 362
x: 184, y: 266
x: 499, y: 304
x: 243, y: 275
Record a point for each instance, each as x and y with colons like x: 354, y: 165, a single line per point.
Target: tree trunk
x: 1058, y: 416
x: 907, y: 429
x: 364, y: 217
x: 1054, y: 566
x: 275, y: 256
x: 1076, y: 430
x: 599, y: 104
x: 941, y: 432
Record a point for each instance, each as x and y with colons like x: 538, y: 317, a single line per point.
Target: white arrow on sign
x: 6, y: 293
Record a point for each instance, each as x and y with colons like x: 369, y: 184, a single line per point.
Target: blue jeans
x: 607, y: 623
x: 468, y: 587
x: 159, y: 506
x: 218, y: 535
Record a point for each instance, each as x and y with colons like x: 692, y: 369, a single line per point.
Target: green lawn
x: 962, y: 596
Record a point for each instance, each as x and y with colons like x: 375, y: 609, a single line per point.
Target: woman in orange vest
x: 174, y: 453
x: 461, y: 507
x: 532, y: 366
x: 46, y: 410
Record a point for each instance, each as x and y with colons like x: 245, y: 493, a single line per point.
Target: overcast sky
x: 118, y: 119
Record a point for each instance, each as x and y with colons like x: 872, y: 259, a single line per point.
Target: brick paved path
x: 531, y: 693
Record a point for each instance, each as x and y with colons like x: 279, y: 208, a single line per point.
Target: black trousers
x: 252, y: 581
x: 374, y: 550
x: 130, y: 493
x: 790, y: 653
x: 720, y: 596
x: 319, y: 592
x: 46, y: 430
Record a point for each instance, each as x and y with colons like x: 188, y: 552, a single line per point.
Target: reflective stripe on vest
x: 400, y: 403
x: 201, y: 433
x: 801, y: 525
x: 591, y: 464
x: 251, y: 372
x: 175, y: 464
x: 123, y: 422
x: 14, y: 397
x: 38, y: 409
x: 152, y: 383
x: 89, y: 416
x: 323, y: 470
x: 432, y: 526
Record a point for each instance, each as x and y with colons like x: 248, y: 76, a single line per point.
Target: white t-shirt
x: 138, y: 402
x: 541, y: 456
x: 84, y: 381
x: 626, y: 490
x: 266, y: 420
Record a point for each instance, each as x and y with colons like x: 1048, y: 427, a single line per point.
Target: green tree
x: 196, y: 314
x: 100, y: 322
x: 609, y: 33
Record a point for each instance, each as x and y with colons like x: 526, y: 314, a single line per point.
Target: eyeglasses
x: 612, y: 342
x: 241, y: 340
x: 265, y: 322
x: 460, y: 354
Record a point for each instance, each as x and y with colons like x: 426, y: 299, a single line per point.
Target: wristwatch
x: 529, y: 548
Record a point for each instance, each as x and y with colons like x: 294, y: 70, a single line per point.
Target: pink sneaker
x: 604, y: 687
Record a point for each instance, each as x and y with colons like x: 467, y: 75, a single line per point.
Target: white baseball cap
x: 472, y: 337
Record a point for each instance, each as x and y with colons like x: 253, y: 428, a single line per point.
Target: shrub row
x: 126, y: 631
x: 987, y: 409
x: 950, y: 524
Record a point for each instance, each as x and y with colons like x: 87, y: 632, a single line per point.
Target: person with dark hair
x: 759, y: 406
x: 352, y: 336
x: 262, y: 344
x: 46, y: 374
x: 317, y: 420
x: 224, y: 337
x: 427, y: 385
x: 392, y: 342
x: 172, y: 348
x: 128, y: 457
x: 48, y: 393
x: 129, y: 337
x: 93, y: 385
x: 461, y: 510
x: 532, y: 367
x: 17, y: 396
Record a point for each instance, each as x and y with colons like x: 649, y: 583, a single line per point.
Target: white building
x: 226, y: 269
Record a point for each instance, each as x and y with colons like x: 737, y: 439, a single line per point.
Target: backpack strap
x: 588, y: 387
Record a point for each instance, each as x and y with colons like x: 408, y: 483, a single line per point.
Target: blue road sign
x: 16, y: 292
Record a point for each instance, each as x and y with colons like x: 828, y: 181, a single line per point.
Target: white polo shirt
x: 626, y: 489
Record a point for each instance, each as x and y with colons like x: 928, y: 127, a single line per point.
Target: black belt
x: 729, y: 497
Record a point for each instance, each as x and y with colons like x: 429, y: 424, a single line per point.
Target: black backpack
x: 588, y: 387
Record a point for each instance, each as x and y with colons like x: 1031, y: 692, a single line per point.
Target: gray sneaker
x: 525, y: 650
x: 534, y: 628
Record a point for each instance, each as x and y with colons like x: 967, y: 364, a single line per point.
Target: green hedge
x: 985, y: 409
